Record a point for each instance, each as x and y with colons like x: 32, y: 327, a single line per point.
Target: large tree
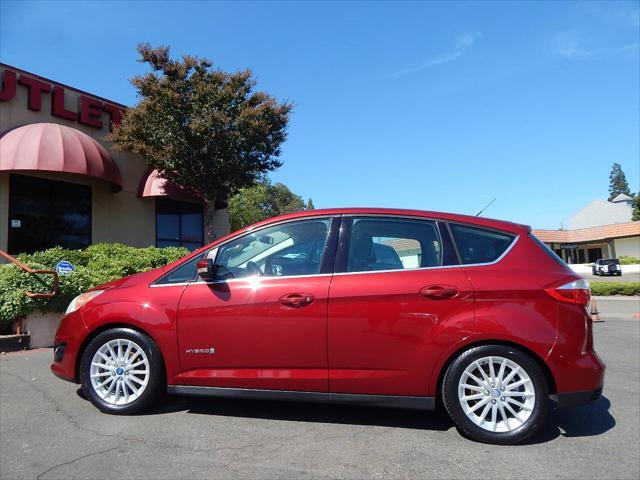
x: 617, y: 182
x: 206, y: 130
x: 635, y: 212
x: 263, y: 201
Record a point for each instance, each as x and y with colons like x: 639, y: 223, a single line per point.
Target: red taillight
x: 576, y: 291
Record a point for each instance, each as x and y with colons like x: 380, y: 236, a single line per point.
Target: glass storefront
x: 179, y: 224
x: 46, y: 213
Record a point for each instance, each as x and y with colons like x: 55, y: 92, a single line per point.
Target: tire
x: 123, y: 388
x: 517, y: 424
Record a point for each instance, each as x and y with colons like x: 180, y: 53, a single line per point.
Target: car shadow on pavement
x: 588, y: 420
x: 305, y: 412
x: 585, y: 421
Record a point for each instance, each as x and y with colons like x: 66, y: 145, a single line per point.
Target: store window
x: 46, y: 213
x: 179, y: 224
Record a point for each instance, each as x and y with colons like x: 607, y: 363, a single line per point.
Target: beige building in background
x: 61, y: 183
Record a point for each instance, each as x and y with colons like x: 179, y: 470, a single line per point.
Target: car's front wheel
x: 496, y: 394
x: 122, y: 372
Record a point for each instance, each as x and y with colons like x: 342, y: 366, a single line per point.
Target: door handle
x: 296, y: 300
x: 439, y: 292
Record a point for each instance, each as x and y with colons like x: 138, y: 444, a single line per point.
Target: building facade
x: 602, y: 229
x: 61, y: 183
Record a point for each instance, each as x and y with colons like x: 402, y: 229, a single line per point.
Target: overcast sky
x: 438, y: 106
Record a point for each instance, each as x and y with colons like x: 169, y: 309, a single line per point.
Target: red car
x: 389, y: 307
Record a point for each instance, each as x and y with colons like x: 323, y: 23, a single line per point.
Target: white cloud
x: 461, y: 45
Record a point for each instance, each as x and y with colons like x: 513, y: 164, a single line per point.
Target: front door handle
x: 439, y: 292
x: 296, y: 300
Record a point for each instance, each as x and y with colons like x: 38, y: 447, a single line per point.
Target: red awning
x: 49, y: 147
x: 153, y: 185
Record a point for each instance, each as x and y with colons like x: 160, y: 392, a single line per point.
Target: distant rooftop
x: 622, y: 198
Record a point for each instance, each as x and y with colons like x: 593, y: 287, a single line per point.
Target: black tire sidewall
x: 155, y: 386
x: 473, y: 431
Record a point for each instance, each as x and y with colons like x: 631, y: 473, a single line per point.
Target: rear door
x: 398, y: 299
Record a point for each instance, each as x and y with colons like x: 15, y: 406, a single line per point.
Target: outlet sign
x: 64, y: 267
x: 87, y: 112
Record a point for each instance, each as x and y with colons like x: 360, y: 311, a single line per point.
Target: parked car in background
x: 607, y: 266
x: 400, y: 308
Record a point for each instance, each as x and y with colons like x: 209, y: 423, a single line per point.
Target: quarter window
x: 294, y: 248
x: 477, y: 245
x: 393, y: 244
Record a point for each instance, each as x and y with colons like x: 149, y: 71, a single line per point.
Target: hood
x: 131, y: 280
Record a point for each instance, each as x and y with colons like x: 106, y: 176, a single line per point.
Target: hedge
x: 626, y: 260
x: 615, y: 288
x: 95, y: 265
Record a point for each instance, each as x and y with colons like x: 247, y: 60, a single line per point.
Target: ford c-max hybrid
x: 386, y: 307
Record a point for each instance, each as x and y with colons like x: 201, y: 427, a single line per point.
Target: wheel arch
x: 110, y: 326
x: 551, y: 383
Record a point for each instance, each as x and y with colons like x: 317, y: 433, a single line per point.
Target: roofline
x: 68, y: 87
x: 453, y: 217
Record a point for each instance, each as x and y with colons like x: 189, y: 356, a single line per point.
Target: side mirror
x: 206, y: 269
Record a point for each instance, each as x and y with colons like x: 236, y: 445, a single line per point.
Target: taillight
x: 576, y: 291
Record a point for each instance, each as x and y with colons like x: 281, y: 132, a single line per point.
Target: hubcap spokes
x: 496, y: 394
x: 119, y: 371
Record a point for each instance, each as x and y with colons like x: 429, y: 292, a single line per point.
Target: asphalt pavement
x: 625, y: 277
x: 47, y: 430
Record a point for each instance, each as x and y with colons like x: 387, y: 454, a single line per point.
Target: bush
x: 95, y: 265
x: 615, y: 288
x: 626, y: 260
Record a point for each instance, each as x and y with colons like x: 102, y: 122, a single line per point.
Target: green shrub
x: 615, y: 288
x: 95, y: 265
x: 626, y: 260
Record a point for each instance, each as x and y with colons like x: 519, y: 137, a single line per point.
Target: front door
x: 398, y: 303
x: 264, y: 324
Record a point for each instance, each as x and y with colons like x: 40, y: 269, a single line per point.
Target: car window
x: 477, y: 245
x: 393, y: 244
x: 610, y: 261
x: 293, y: 248
x: 183, y: 273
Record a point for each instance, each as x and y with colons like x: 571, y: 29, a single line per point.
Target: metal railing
x: 35, y: 273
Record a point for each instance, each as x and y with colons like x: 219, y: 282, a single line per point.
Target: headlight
x: 81, y: 300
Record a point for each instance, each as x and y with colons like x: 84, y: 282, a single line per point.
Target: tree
x: 262, y: 201
x: 207, y: 131
x: 635, y: 212
x: 617, y: 182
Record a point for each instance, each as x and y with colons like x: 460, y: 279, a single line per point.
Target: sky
x: 429, y: 105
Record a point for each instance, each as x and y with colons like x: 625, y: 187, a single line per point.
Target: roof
x: 604, y: 232
x: 601, y: 213
x: 51, y: 147
x: 622, y: 197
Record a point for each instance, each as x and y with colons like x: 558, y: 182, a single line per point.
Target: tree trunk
x: 216, y: 222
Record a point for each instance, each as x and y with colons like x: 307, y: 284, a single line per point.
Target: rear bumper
x: 575, y: 399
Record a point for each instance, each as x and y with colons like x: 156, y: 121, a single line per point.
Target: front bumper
x: 68, y: 340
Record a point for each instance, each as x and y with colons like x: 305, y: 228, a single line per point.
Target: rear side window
x: 547, y: 250
x: 393, y: 244
x: 477, y: 245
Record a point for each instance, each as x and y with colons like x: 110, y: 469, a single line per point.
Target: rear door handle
x: 296, y: 300
x: 439, y: 292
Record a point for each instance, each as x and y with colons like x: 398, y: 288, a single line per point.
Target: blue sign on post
x: 64, y: 267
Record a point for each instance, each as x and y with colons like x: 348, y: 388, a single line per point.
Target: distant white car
x: 607, y: 266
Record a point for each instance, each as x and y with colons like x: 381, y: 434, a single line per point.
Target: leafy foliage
x: 615, y: 288
x: 99, y: 263
x: 618, y: 182
x: 635, y: 212
x: 262, y: 201
x: 206, y: 130
x: 629, y: 260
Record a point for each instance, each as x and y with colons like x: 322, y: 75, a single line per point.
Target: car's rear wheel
x: 496, y: 394
x: 122, y: 372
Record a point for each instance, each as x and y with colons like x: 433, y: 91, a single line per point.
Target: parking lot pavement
x: 48, y: 431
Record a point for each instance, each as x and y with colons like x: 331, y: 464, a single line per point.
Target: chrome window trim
x: 413, y: 217
x: 369, y: 272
